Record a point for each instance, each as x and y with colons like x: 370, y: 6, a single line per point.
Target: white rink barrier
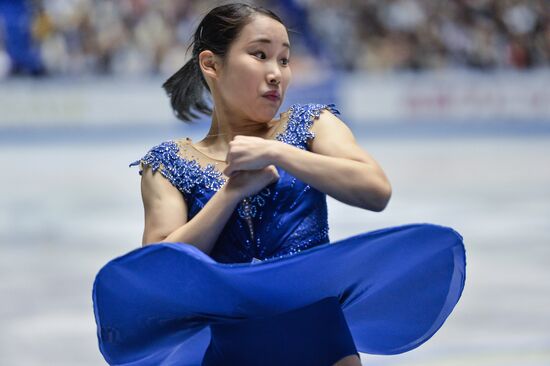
x: 102, y: 103
x: 463, y: 97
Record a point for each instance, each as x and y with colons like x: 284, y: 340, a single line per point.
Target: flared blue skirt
x: 156, y: 305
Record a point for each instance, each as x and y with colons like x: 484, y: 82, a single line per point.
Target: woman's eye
x: 260, y: 54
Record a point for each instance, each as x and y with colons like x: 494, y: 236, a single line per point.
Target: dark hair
x: 217, y: 30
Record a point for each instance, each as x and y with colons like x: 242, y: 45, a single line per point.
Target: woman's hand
x: 246, y: 183
x: 249, y: 153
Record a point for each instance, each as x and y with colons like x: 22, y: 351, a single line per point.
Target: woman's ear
x: 209, y: 64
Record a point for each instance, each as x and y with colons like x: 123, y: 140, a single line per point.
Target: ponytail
x: 186, y: 89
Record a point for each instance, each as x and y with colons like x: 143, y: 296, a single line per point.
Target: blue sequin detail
x: 182, y: 173
x: 197, y: 181
x: 297, y: 131
x: 250, y: 209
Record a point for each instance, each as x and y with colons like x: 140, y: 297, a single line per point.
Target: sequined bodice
x: 284, y: 218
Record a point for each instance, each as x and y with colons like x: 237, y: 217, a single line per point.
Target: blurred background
x: 451, y: 97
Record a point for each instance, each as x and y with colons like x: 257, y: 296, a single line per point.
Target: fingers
x: 233, y: 169
x: 229, y: 170
x: 232, y: 155
x: 274, y: 173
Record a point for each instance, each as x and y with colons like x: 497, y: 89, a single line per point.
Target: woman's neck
x: 225, y: 126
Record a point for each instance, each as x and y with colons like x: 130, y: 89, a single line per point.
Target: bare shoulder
x: 329, y: 123
x: 333, y: 137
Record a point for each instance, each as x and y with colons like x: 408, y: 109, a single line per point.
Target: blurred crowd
x: 137, y: 37
x: 433, y: 34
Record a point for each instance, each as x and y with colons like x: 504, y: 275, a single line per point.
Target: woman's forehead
x: 263, y: 29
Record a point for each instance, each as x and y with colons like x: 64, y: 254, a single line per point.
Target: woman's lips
x: 273, y: 98
x: 272, y: 95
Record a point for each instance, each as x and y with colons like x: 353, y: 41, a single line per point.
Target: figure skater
x: 236, y: 266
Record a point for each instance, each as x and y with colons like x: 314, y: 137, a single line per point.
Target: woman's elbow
x: 378, y: 199
x: 384, y: 197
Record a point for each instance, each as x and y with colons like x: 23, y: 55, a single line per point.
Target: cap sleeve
x: 185, y: 174
x: 164, y: 158
x: 302, y: 117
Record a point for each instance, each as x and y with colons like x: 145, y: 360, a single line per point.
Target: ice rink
x: 68, y: 205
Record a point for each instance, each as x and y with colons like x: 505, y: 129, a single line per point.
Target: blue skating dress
x: 274, y: 283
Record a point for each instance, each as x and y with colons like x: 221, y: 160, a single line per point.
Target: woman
x: 236, y: 266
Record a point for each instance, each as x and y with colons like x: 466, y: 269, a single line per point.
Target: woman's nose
x: 274, y: 81
x: 274, y: 76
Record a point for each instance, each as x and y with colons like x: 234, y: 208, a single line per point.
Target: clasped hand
x: 250, y: 163
x: 248, y: 153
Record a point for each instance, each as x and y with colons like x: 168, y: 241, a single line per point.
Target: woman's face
x: 256, y: 64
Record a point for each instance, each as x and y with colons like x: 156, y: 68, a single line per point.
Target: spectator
x: 137, y: 37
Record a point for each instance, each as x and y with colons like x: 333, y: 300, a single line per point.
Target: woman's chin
x: 265, y: 114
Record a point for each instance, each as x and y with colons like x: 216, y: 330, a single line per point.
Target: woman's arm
x: 336, y: 165
x: 166, y: 214
x: 166, y: 210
